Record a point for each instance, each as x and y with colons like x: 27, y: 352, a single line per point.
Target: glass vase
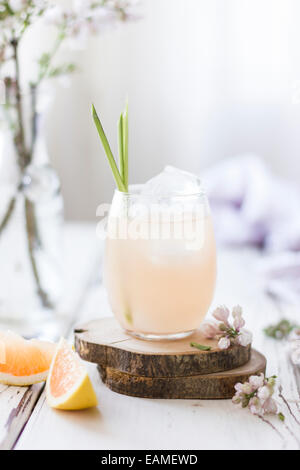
x: 31, y: 217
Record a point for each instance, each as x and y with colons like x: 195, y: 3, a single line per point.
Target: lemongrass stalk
x: 125, y: 145
x: 110, y: 157
x: 121, y: 148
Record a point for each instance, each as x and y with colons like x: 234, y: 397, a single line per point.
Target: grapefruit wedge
x: 23, y: 362
x: 68, y: 384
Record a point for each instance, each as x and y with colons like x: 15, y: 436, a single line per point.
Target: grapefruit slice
x: 23, y: 362
x: 68, y: 385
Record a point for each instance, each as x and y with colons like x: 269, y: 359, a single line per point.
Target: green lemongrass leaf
x: 125, y: 145
x: 121, y: 148
x: 108, y: 151
x: 281, y: 416
x: 202, y: 347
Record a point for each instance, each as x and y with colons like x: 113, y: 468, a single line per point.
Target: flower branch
x: 227, y: 333
x: 257, y: 395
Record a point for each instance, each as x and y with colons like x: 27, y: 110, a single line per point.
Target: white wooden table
x: 121, y: 422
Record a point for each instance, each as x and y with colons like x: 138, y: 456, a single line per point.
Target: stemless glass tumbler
x: 160, y: 263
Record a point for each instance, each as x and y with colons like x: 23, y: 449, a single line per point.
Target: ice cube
x: 172, y: 182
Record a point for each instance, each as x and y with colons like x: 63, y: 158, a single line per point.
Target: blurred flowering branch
x: 83, y: 18
x: 287, y: 330
x: 280, y: 330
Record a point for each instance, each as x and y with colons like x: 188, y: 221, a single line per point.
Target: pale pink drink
x: 160, y: 264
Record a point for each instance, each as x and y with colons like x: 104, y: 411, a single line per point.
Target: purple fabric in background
x: 251, y: 206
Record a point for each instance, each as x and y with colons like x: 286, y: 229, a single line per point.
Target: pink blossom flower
x: 221, y: 313
x: 224, y: 343
x: 209, y: 330
x: 238, y: 322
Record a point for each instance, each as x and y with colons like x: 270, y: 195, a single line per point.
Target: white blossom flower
x: 255, y: 406
x: 237, y: 311
x: 209, y: 330
x: 54, y: 15
x: 224, y: 343
x: 221, y: 313
x: 257, y: 380
x: 244, y: 338
x: 238, y: 323
x: 264, y: 393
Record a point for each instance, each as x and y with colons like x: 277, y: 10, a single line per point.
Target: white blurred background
x: 206, y: 80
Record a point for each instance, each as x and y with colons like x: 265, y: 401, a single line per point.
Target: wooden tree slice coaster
x: 107, y: 344
x: 212, y: 386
